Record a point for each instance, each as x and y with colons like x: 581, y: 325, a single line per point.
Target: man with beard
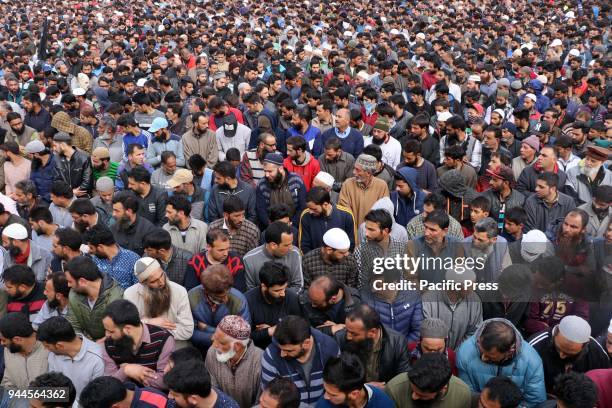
x: 383, y: 351
x: 187, y: 233
x: 228, y: 185
x: 589, y: 174
x: 18, y: 131
x: 528, y: 154
x: 37, y: 117
x: 109, y: 138
x: 502, y: 195
x: 110, y: 258
x: 130, y: 228
x: 568, y: 346
x: 547, y: 205
x: 61, y: 199
x: 427, y: 178
x: 453, y: 160
x: 135, y: 157
x: 166, y: 170
x: 15, y: 166
x: 102, y: 165
x: 299, y: 353
x: 243, y: 234
x: 173, y: 260
x: 200, y: 140
x: 302, y: 128
x: 336, y: 162
x: 79, y: 358
x: 572, y: 243
x: 163, y: 141
x: 160, y: 301
x: 217, y: 252
x: 22, y: 251
x: 84, y: 215
x: 456, y: 134
x: 182, y: 183
x: 580, y: 140
x: 66, y: 246
x: 234, y: 362
x: 43, y: 168
x: 279, y: 186
x: 25, y: 357
x: 41, y: 221
x: 133, y: 349
x: 251, y: 166
x: 599, y: 211
x: 212, y: 300
x: 271, y: 302
x: 56, y: 291
x: 300, y: 161
x: 429, y: 383
x: 26, y: 198
x: 486, y: 244
x: 72, y: 165
x: 419, y: 129
x: 25, y: 294
x: 152, y: 199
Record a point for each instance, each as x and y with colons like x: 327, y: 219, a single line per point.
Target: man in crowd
x: 173, y: 260
x: 243, y: 234
x: 186, y: 232
x: 130, y: 227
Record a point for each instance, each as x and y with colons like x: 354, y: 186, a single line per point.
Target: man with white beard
x: 234, y: 362
x: 161, y: 302
x: 589, y: 173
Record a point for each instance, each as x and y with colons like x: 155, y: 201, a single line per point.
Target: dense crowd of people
x: 238, y: 204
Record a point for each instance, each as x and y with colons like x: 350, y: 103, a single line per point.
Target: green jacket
x: 87, y: 320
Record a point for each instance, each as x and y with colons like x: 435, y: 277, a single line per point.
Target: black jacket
x: 132, y: 238
x: 76, y: 172
x: 317, y: 317
x: 153, y: 206
x: 393, y: 358
x: 592, y: 357
x: 263, y: 312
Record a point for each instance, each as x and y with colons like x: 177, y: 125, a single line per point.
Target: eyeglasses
x: 270, y: 144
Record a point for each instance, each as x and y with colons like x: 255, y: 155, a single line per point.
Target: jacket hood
x: 518, y: 336
x: 452, y: 182
x: 61, y: 121
x: 386, y: 204
x: 410, y: 176
x: 306, y: 160
x: 536, y: 85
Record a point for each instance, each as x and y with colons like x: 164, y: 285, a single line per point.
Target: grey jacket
x: 194, y: 241
x: 578, y: 185
x: 39, y: 260
x: 596, y: 227
x: 254, y: 260
x: 244, y: 191
x: 540, y: 216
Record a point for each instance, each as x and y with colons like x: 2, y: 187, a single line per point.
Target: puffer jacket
x: 524, y: 369
x: 88, y: 320
x: 76, y: 172
x: 407, y: 209
x: 393, y: 358
x: 318, y: 317
x: 404, y: 315
x: 81, y: 137
x: 263, y: 193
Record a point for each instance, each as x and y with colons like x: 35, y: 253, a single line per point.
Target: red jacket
x: 307, y: 170
x: 213, y: 125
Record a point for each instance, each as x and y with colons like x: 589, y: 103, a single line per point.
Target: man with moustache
x: 133, y: 349
x: 56, y: 291
x: 251, y: 166
x: 130, y: 228
x: 22, y: 251
x: 572, y: 243
x: 599, y: 211
x: 270, y: 302
x: 336, y: 162
x: 102, y: 165
x: 73, y: 165
x: 383, y: 351
x: 547, y: 205
x: 300, y: 161
x: 234, y: 362
x: 485, y: 244
x: 588, y: 174
x: 228, y: 185
x: 18, y: 131
x: 160, y: 301
x: 43, y: 168
x: 502, y: 195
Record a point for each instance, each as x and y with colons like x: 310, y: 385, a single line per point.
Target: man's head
x: 574, y: 389
x: 56, y: 334
x: 157, y: 292
x: 217, y: 245
x: 595, y: 158
x: 274, y: 278
x: 19, y: 281
x: 530, y: 146
x: 139, y: 180
x: 280, y: 393
x: 136, y: 154
x: 436, y: 227
x: 574, y: 225
x: 434, y: 335
x: 480, y: 208
x: 53, y: 380
x: 343, y: 379
x: 546, y: 185
x: 81, y: 273
x: 293, y: 337
x: 178, y: 209
x: 453, y: 156
x: 324, y: 292
x: 411, y: 152
x: 274, y: 171
x: 497, y: 342
x: 363, y: 328
x: 500, y: 392
x: 104, y: 392
x: 158, y: 244
x: 217, y: 282
x: 501, y: 180
x: 547, y: 158
x: 83, y: 214
x: 125, y: 209
x: 56, y: 290
x: 336, y: 245
x: 231, y: 338
x: 16, y: 332
x: 333, y: 149
x: 66, y: 241
x: 122, y: 326
x: 485, y: 234
x: 429, y: 378
x: 378, y: 225
x: 182, y: 182
x: 570, y: 337
x: 279, y: 239
x: 318, y: 202
x: 224, y: 174
x: 61, y: 194
x: 25, y: 192
x: 296, y: 148
x: 234, y: 212
x: 188, y: 383
x: 101, y: 241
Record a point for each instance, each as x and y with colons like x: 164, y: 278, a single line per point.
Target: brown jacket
x: 81, y: 137
x: 205, y: 145
x: 360, y: 201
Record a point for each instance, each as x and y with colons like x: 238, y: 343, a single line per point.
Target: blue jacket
x: 352, y: 144
x: 273, y: 366
x: 404, y: 315
x: 543, y: 101
x: 310, y: 235
x: 263, y: 193
x: 525, y: 369
x: 43, y: 178
x: 201, y: 311
x: 407, y: 209
x: 377, y: 398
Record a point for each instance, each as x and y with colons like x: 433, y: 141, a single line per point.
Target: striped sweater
x: 273, y: 366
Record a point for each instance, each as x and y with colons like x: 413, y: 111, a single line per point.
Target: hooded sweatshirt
x: 398, y: 232
x: 458, y: 194
x: 407, y: 208
x: 307, y: 170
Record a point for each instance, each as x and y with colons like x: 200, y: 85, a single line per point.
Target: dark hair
x: 279, y: 211
x: 55, y: 329
x: 517, y: 215
x: 100, y: 235
x: 41, y: 214
x: 83, y: 267
x: 274, y: 232
x: 575, y: 390
x: 455, y: 122
x: 82, y: 206
x: 455, y: 152
x: 140, y: 174
x: 438, y: 217
x: 436, y: 200
x: 216, y: 234
x: 318, y: 195
x: 196, y: 161
x: 122, y: 312
x: 412, y: 146
x: 16, y: 325
x: 603, y: 192
x: 189, y: 378
x: 551, y: 268
x: 298, y: 143
x: 180, y: 203
x: 285, y: 392
x: 159, y: 238
x: 102, y: 392
x: 431, y: 372
x: 292, y: 330
x: 232, y: 154
x: 233, y: 204
x: 333, y: 143
x: 127, y: 199
x: 273, y: 274
x: 481, y: 202
x: 374, y: 151
x: 60, y: 283
x: 19, y: 275
x: 497, y: 335
x: 380, y: 217
x: 504, y: 391
x: 551, y: 179
x: 187, y: 353
x: 225, y: 169
x: 497, y: 131
x: 368, y: 315
x: 345, y: 372
x: 54, y: 380
x: 61, y: 189
x: 69, y: 237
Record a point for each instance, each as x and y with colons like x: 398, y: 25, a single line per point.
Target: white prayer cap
x: 325, y: 178
x: 575, y: 329
x: 336, y: 238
